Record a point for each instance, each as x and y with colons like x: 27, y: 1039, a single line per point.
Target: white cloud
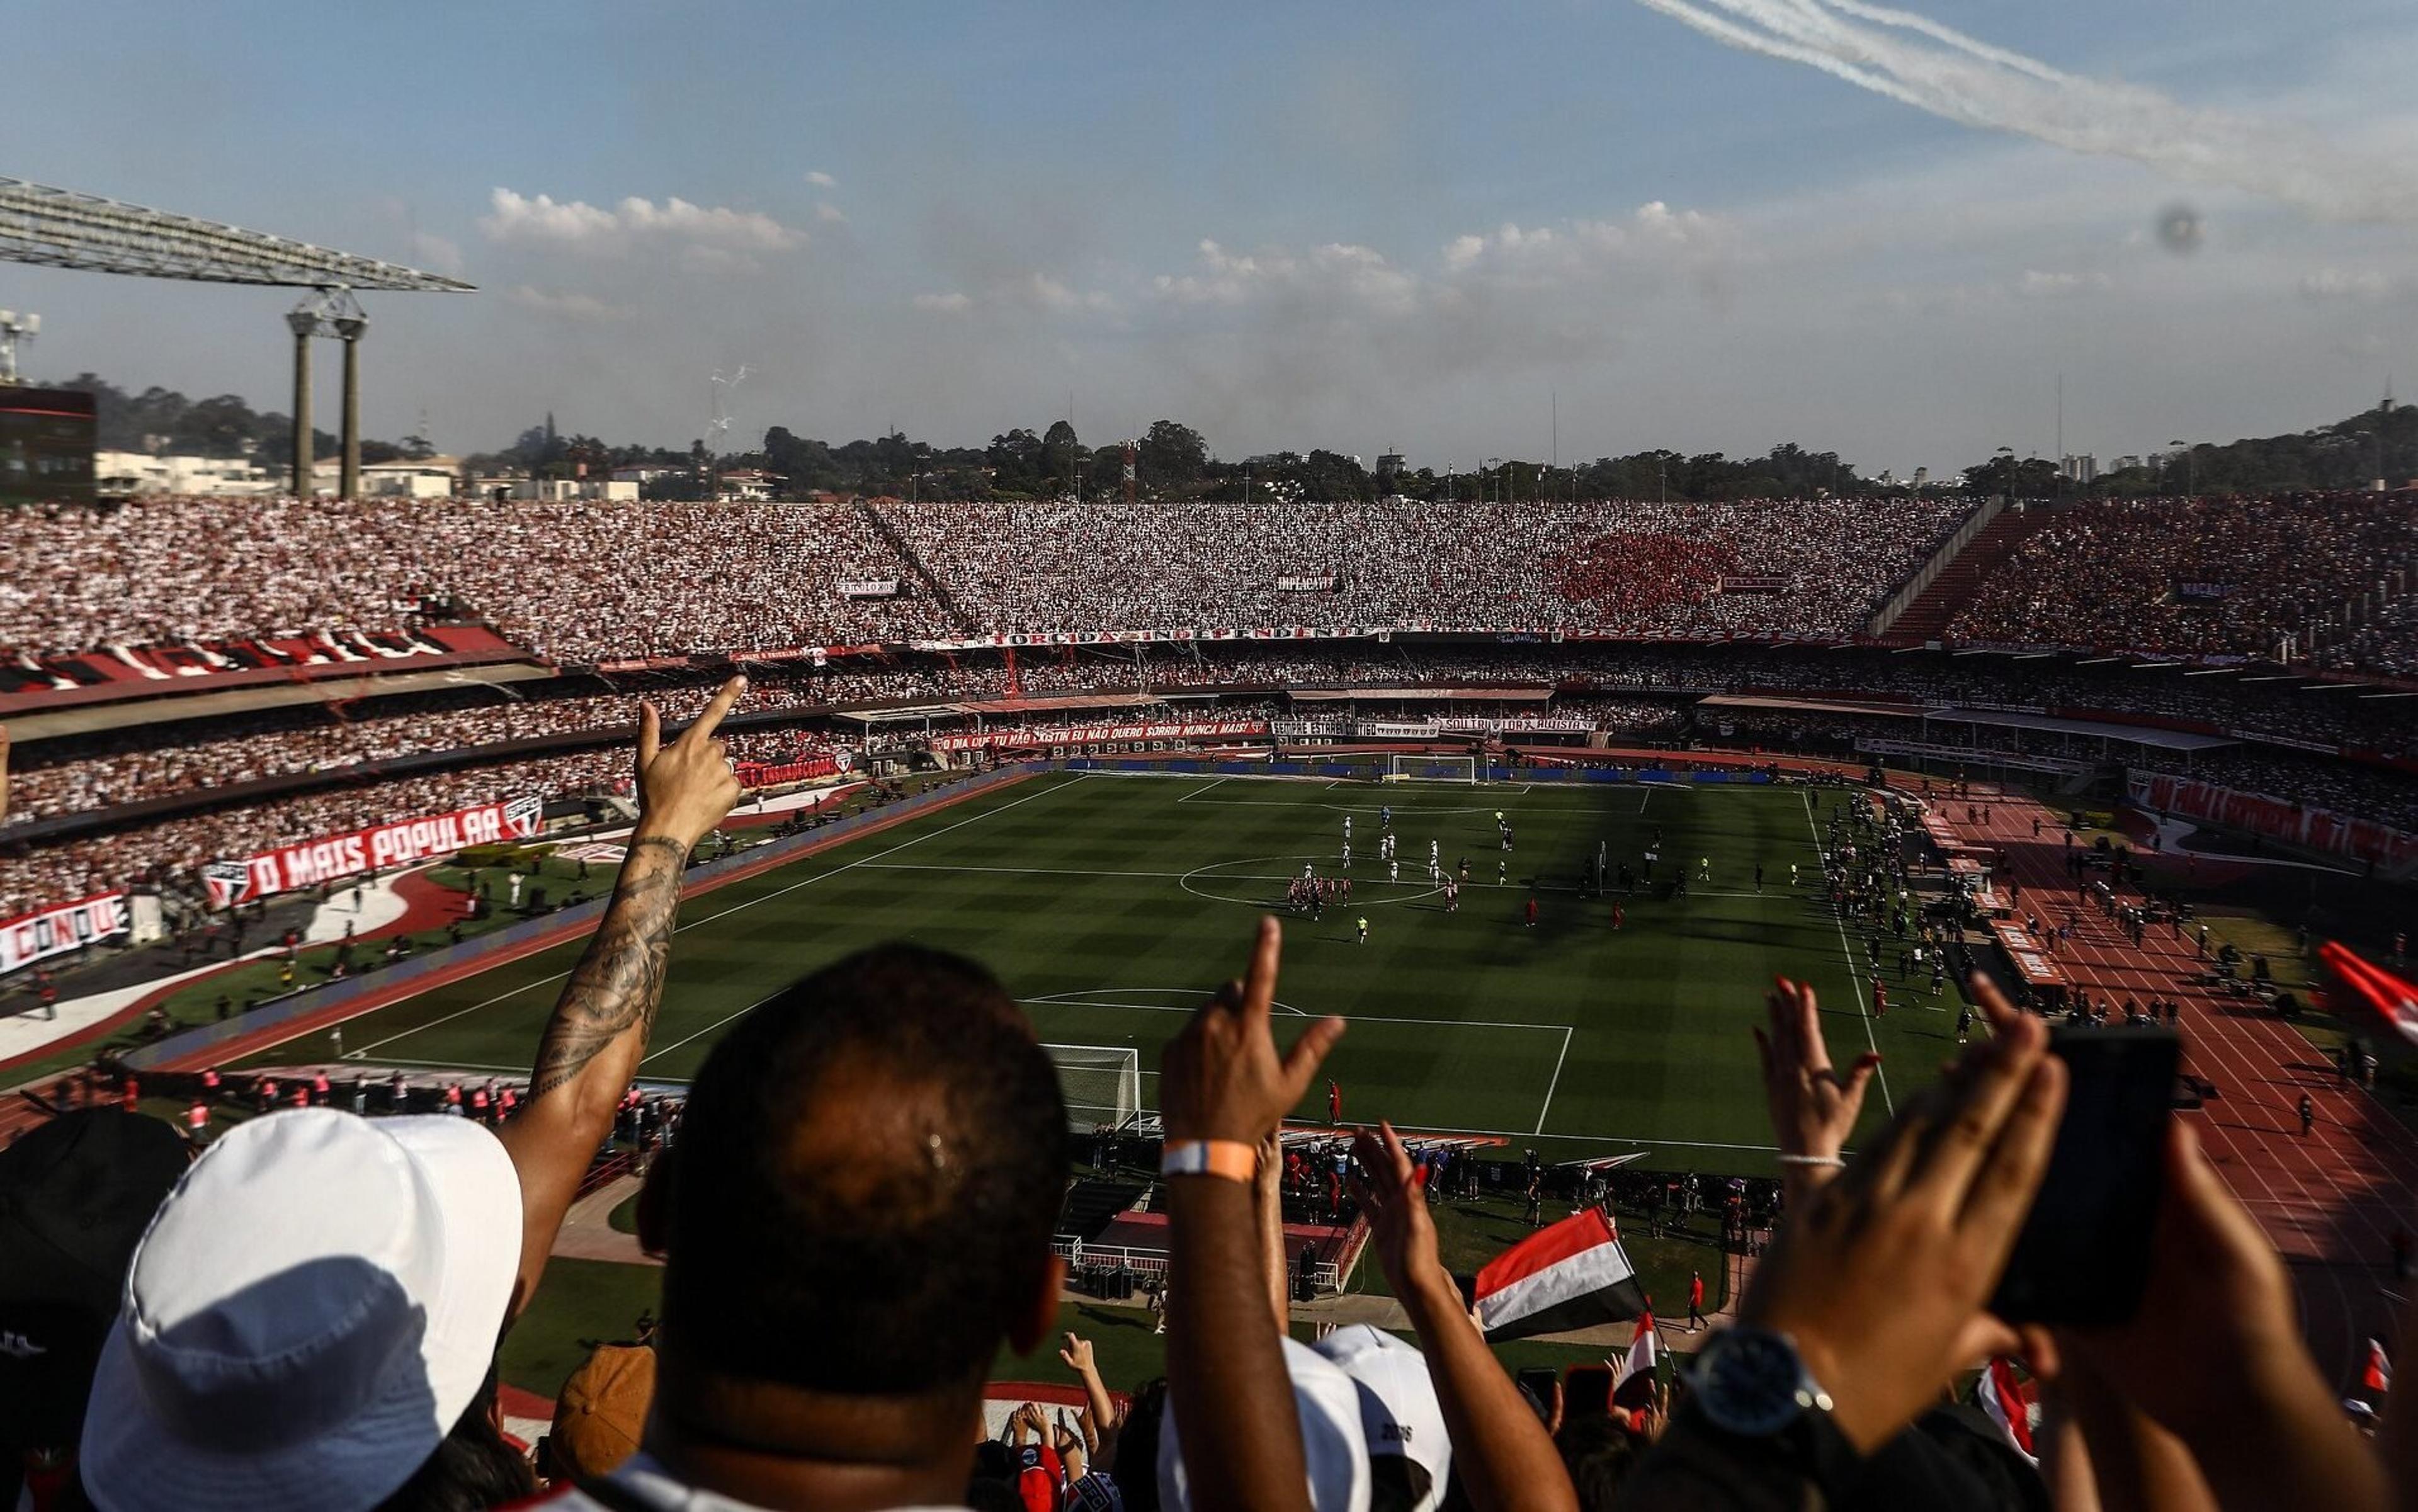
x: 565, y: 304
x: 1344, y: 273
x: 821, y: 179
x: 2363, y: 285
x: 829, y: 214
x: 1027, y: 293
x: 577, y: 225
x: 2036, y: 284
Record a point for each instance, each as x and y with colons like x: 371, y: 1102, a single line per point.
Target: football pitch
x: 1110, y: 905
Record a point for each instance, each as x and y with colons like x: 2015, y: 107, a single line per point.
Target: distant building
x: 1390, y: 467
x: 749, y: 485
x: 2079, y: 469
x: 2126, y: 464
x: 425, y: 478
x: 134, y: 474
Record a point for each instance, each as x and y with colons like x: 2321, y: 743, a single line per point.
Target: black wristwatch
x: 1751, y: 1384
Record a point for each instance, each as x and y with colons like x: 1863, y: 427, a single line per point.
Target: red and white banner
x: 63, y: 927
x: 1162, y: 729
x: 336, y: 856
x: 2337, y: 834
x: 773, y: 774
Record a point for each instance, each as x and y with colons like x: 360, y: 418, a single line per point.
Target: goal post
x: 1462, y: 769
x: 1101, y: 1083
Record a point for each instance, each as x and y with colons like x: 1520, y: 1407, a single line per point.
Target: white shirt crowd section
x: 580, y: 582
x: 592, y: 581
x: 1633, y: 568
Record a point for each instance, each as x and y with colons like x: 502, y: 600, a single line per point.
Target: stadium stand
x: 2212, y: 578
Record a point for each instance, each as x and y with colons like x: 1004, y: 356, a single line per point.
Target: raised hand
x: 1880, y: 1276
x: 1221, y: 1077
x: 1398, y: 1221
x: 1814, y: 1108
x: 686, y: 787
x: 1076, y: 1355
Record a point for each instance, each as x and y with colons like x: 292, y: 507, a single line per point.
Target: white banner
x: 1164, y: 730
x: 55, y: 931
x: 868, y: 588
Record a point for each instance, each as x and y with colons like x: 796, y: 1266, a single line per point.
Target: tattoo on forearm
x: 619, y: 984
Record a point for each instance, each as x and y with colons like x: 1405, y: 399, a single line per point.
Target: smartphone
x: 2083, y: 1257
x: 1539, y: 1381
x: 1587, y: 1392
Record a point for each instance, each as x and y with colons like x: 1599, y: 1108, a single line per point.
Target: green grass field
x: 1110, y: 905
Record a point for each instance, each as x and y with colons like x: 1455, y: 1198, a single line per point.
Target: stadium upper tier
x: 2327, y: 580
x: 587, y: 582
x: 2334, y: 574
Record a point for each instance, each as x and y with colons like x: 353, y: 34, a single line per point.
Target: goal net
x: 1102, y: 1083
x: 1400, y: 768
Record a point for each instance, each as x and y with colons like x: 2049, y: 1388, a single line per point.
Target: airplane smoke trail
x: 1919, y: 62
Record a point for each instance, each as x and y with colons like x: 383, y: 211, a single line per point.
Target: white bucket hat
x: 1400, y: 1416
x: 1328, y: 1405
x: 310, y: 1310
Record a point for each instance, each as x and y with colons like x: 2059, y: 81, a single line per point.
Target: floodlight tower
x: 15, y: 330
x: 303, y: 320
x: 351, y: 326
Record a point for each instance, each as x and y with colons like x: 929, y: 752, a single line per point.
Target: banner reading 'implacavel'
x: 330, y: 858
x: 58, y: 929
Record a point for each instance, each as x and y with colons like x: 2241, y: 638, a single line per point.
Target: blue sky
x: 1408, y: 225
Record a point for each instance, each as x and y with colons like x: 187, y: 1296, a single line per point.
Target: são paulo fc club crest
x: 522, y: 815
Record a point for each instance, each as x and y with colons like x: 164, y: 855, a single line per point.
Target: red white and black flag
x: 1643, y: 1368
x: 2005, y: 1403
x: 2378, y: 1374
x: 1574, y: 1275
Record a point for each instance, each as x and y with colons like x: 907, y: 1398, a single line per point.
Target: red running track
x: 2330, y: 1200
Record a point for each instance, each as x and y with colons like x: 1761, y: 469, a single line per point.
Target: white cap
x: 1410, y: 1454
x: 313, y: 1307
x: 1328, y: 1405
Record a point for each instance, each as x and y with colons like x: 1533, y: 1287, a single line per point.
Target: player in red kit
x: 1619, y: 917
x: 1334, y: 1103
x: 1532, y: 913
x: 1881, y: 999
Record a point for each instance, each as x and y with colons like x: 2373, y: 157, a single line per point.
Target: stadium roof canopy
x: 62, y: 228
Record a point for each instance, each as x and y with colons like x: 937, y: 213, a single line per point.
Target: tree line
x: 1172, y: 462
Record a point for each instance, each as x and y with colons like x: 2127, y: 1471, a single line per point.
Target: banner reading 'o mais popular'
x: 331, y: 857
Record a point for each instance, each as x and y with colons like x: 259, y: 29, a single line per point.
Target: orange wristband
x: 1230, y: 1158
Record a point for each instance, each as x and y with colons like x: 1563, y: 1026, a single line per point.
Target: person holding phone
x: 1875, y: 1292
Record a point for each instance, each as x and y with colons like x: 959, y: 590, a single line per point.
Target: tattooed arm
x: 592, y: 1045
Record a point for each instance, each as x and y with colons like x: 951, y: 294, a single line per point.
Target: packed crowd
x: 174, y: 850
x: 2388, y: 797
x: 2163, y: 576
x: 2215, y: 577
x: 586, y: 582
x: 84, y: 774
x: 856, y: 1219
x: 578, y: 582
x: 1820, y: 566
